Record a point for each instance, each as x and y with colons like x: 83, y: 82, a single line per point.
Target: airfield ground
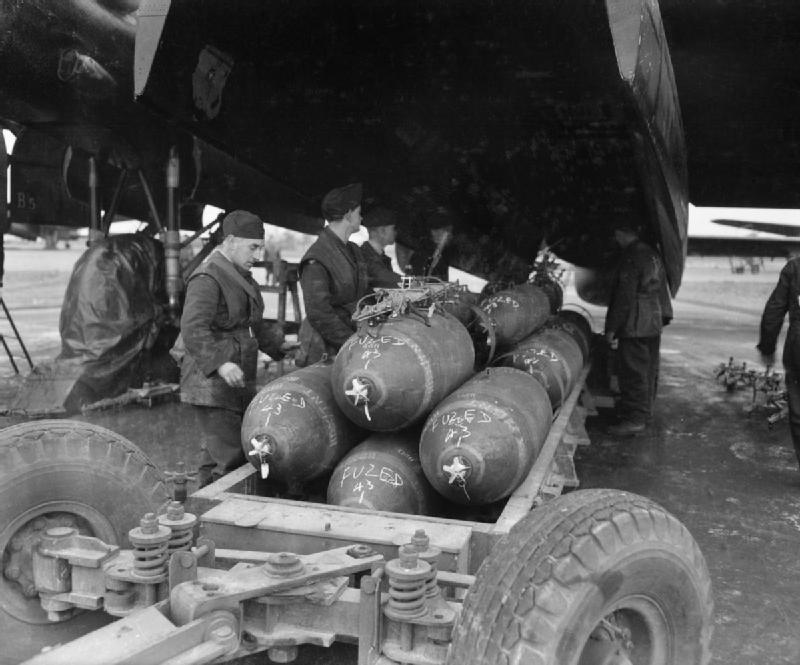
x: 731, y: 480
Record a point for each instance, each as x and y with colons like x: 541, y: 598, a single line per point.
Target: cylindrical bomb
x: 479, y: 443
x: 516, y: 313
x: 460, y: 306
x: 577, y: 333
x: 553, y: 358
x: 293, y: 431
x: 579, y: 320
x: 384, y: 473
x: 390, y: 376
x: 552, y: 289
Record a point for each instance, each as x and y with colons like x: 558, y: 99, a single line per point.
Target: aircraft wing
x: 66, y: 91
x: 789, y: 230
x: 764, y: 247
x: 538, y: 122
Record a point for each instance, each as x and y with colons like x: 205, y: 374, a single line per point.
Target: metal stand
x: 16, y: 335
x: 285, y: 283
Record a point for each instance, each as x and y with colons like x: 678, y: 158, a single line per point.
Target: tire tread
x: 536, y: 588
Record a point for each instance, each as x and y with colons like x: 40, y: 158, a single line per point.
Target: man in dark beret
x: 222, y: 330
x: 637, y: 312
x: 381, y: 224
x: 333, y: 277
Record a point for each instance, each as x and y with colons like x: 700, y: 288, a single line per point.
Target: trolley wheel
x: 595, y: 577
x: 63, y: 473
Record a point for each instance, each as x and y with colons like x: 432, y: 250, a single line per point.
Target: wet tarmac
x: 729, y: 478
x: 734, y: 483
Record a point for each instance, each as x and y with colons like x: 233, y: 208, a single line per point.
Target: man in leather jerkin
x: 222, y: 330
x: 381, y: 223
x: 333, y: 277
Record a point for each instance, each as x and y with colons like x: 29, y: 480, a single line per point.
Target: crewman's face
x: 244, y: 252
x: 387, y: 234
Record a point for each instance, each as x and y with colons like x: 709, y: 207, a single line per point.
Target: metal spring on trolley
x: 149, y: 542
x: 431, y: 586
x: 150, y: 560
x: 181, y: 540
x: 408, y: 577
x: 181, y: 524
x: 407, y: 596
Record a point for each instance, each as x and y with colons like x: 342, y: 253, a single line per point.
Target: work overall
x: 786, y: 298
x: 222, y: 322
x: 636, y: 317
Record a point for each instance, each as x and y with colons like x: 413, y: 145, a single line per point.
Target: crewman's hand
x: 611, y: 340
x: 231, y: 374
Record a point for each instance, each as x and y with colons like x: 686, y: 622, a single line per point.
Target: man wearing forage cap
x: 381, y: 223
x: 333, y: 277
x: 222, y: 330
x: 638, y: 310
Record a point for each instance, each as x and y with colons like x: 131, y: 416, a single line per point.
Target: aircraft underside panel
x: 39, y: 195
x: 514, y: 113
x: 737, y: 69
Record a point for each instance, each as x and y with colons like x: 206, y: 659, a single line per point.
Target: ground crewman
x: 381, y: 223
x: 785, y: 298
x: 637, y: 312
x: 222, y: 330
x: 333, y: 277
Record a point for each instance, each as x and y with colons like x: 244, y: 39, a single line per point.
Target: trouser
x: 219, y: 436
x: 793, y: 391
x: 637, y: 372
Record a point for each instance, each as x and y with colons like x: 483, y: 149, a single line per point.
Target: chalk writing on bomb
x: 535, y: 356
x: 497, y: 301
x: 274, y: 404
x: 458, y: 423
x: 365, y: 476
x: 371, y: 347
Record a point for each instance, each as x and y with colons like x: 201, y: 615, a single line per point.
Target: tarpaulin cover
x: 112, y: 312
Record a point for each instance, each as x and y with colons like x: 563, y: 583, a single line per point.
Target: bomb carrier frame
x: 590, y: 577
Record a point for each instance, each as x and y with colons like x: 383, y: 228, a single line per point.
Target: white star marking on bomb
x: 456, y: 471
x: 261, y: 447
x: 359, y: 392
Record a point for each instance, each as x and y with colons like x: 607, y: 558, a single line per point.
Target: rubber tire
x: 67, y: 461
x: 550, y: 581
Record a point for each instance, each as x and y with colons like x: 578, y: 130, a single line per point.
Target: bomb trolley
x: 590, y: 577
